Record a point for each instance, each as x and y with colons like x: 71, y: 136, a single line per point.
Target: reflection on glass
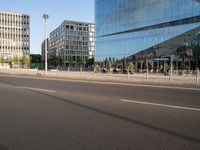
x: 128, y: 30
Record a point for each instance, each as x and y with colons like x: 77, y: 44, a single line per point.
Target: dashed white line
x: 160, y: 105
x: 36, y: 89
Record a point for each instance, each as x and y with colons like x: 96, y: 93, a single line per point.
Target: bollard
x: 197, y: 76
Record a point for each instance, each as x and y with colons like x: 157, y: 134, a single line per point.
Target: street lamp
x: 45, y: 17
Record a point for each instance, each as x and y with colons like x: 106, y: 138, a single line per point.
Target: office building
x: 14, y: 35
x: 73, y: 41
x: 154, y: 30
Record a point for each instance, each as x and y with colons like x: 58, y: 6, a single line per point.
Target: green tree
x: 97, y: 68
x: 2, y: 60
x: 6, y: 60
x: 79, y: 61
x: 166, y: 68
x: 15, y: 60
x: 35, y: 61
x: 90, y: 62
x: 131, y: 67
x: 35, y: 58
x: 25, y: 61
x: 55, y: 61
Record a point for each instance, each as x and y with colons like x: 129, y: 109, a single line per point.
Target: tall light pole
x: 45, y: 17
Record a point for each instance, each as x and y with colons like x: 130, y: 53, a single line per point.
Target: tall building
x: 14, y: 35
x: 147, y: 29
x: 73, y: 41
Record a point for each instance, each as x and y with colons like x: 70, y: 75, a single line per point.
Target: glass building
x: 154, y: 30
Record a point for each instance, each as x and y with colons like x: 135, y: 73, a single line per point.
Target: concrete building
x: 158, y: 30
x: 14, y: 35
x: 73, y: 41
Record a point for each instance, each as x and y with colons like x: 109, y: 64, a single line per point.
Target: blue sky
x: 58, y: 10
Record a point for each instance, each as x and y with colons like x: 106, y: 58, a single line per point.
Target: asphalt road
x: 38, y: 114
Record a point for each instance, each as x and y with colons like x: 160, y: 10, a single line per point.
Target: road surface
x: 37, y: 114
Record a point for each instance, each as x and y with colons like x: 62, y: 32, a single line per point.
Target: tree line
x: 15, y: 61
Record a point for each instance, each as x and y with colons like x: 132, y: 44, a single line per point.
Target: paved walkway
x: 151, y: 78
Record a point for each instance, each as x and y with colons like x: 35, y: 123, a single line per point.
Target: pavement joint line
x: 161, y: 105
x: 36, y: 89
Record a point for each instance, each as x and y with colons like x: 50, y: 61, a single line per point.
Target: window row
x: 74, y: 52
x: 11, y: 47
x: 14, y: 37
x: 76, y: 47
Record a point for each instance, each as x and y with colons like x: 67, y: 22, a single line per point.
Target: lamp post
x: 45, y: 17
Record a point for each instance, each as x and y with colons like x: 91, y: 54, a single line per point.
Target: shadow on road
x: 152, y: 127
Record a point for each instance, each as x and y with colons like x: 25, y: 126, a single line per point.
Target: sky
x: 58, y: 10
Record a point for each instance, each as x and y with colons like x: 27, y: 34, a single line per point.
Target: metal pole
x: 147, y: 70
x: 170, y: 76
x: 94, y: 71
x: 45, y: 16
x: 177, y: 60
x: 196, y: 58
x: 128, y: 75
x: 45, y: 50
x: 197, y: 76
x: 18, y: 63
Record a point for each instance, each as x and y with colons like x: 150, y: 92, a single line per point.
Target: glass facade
x: 146, y: 29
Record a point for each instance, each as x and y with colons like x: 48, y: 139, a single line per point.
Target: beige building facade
x: 14, y: 35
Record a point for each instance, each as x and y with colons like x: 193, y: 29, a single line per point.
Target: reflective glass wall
x: 139, y: 29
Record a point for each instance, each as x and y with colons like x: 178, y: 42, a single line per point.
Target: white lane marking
x: 160, y: 105
x: 36, y: 89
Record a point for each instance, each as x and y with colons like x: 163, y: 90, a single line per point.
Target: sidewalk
x: 90, y: 76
